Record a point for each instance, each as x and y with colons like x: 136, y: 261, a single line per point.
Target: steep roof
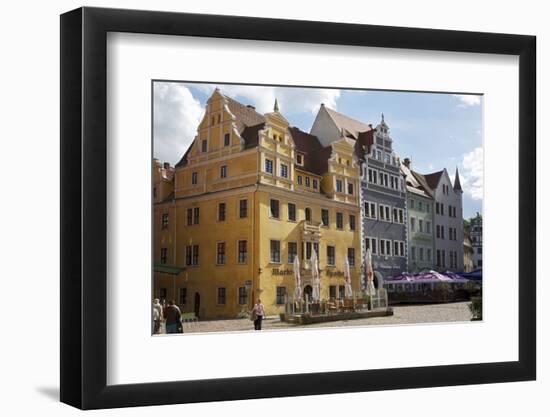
x: 416, y: 182
x: 422, y: 183
x: 433, y: 179
x: 183, y: 160
x: 245, y: 116
x: 315, y: 160
x: 346, y: 124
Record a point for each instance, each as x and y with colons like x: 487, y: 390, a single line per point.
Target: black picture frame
x: 84, y: 207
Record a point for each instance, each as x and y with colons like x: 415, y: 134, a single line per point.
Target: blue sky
x: 435, y: 130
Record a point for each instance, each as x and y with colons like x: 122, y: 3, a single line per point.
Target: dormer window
x: 300, y: 159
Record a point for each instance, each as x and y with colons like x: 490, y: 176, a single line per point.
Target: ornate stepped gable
x: 249, y: 124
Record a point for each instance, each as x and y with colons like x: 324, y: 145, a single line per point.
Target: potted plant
x: 475, y: 307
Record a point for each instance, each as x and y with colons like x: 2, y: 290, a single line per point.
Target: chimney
x: 407, y: 162
x: 166, y: 165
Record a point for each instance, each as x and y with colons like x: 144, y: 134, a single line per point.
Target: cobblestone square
x: 403, y: 314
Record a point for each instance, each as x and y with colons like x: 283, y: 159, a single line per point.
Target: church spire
x: 276, y: 106
x: 457, y: 186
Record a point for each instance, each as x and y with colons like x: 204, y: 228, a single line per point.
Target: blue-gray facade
x: 384, y: 205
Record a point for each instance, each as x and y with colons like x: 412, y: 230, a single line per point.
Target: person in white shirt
x: 259, y: 314
x: 157, y: 316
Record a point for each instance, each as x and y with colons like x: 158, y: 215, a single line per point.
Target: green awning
x: 168, y: 269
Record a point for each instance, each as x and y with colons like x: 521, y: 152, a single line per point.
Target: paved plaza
x: 403, y: 314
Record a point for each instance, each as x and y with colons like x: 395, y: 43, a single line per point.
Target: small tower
x: 457, y: 186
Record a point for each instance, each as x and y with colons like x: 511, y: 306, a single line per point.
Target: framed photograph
x: 262, y: 208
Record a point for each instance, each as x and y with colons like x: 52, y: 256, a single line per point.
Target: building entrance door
x: 308, y: 290
x: 197, y: 304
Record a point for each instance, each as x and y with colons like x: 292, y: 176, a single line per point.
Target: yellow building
x: 249, y: 194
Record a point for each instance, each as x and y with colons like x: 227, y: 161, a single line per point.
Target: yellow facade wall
x: 205, y: 278
x: 247, y: 180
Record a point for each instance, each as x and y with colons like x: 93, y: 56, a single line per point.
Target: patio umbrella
x: 348, y: 293
x: 297, y: 280
x: 369, y: 274
x: 315, y: 295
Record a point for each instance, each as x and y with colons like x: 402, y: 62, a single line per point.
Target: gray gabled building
x: 448, y: 230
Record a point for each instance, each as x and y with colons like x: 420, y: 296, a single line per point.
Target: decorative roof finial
x: 276, y: 106
x: 382, y: 117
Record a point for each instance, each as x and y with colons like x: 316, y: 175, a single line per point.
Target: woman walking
x: 259, y: 314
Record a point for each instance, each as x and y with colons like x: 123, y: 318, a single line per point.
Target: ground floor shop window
x: 242, y: 296
x: 221, y: 295
x: 183, y: 296
x: 281, y: 293
x: 341, y: 291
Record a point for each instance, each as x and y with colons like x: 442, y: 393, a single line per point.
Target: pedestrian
x: 173, y: 318
x: 157, y: 316
x: 258, y: 313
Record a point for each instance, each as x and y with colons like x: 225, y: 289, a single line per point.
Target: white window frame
x: 336, y: 182
x: 375, y: 240
x: 266, y: 160
x: 402, y: 248
x: 224, y: 253
x: 370, y: 206
x: 387, y: 212
x: 384, y: 244
x: 282, y: 169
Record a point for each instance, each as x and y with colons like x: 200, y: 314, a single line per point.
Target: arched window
x: 308, y: 214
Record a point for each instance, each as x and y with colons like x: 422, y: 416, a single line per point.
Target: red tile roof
x: 433, y: 179
x: 314, y: 153
x: 363, y: 143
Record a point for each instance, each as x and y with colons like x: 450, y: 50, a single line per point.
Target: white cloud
x: 177, y: 113
x: 472, y: 173
x: 291, y: 100
x: 467, y: 100
x: 176, y: 117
